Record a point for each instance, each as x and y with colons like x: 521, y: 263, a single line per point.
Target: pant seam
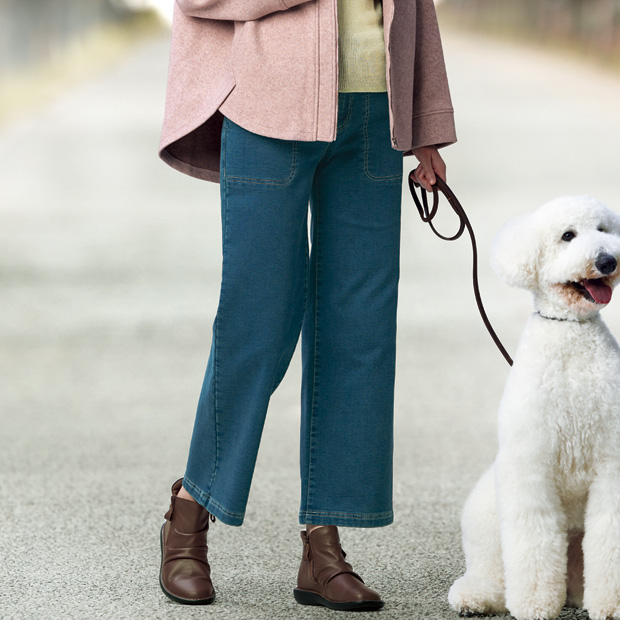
x: 315, y: 363
x: 216, y: 329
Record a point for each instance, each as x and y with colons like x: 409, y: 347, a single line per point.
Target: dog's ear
x: 614, y: 218
x: 515, y: 252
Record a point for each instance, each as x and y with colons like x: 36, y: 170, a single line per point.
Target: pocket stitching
x: 391, y: 177
x: 345, y: 122
x: 259, y: 181
x: 240, y: 179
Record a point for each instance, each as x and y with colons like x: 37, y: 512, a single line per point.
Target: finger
x: 429, y: 172
x: 439, y: 166
x: 422, y: 178
x: 425, y: 157
x: 424, y: 181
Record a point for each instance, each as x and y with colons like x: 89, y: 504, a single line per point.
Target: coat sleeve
x: 235, y: 10
x: 433, y: 115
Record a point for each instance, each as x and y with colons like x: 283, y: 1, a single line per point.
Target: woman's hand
x: 431, y: 163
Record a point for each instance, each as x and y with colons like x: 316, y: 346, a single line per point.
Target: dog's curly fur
x: 541, y: 529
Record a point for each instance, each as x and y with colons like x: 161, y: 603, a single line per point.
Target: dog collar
x: 555, y: 318
x: 551, y: 318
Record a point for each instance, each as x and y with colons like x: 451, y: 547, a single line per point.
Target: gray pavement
x: 109, y: 267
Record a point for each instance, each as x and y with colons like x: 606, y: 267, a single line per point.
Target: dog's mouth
x: 596, y: 291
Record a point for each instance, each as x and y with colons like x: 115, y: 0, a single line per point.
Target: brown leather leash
x: 427, y: 216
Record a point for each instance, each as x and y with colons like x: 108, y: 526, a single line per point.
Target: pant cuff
x: 220, y: 512
x: 344, y: 519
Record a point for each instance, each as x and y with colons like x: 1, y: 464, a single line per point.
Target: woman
x: 285, y: 103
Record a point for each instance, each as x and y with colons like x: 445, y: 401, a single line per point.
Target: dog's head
x: 567, y: 253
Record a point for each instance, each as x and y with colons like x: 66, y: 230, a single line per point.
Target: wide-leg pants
x: 339, y: 290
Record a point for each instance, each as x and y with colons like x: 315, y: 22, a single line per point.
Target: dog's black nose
x: 606, y: 263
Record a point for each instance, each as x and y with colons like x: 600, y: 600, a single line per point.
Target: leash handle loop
x: 427, y: 216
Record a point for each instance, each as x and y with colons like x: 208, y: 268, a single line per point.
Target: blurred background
x: 44, y: 44
x: 589, y: 27
x: 109, y: 278
x: 58, y: 36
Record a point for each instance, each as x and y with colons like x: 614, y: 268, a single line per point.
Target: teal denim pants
x: 337, y: 285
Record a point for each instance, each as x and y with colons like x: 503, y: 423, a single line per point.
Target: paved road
x: 109, y: 275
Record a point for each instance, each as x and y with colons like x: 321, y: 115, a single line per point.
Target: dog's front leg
x: 534, y: 539
x: 481, y: 589
x: 601, y: 545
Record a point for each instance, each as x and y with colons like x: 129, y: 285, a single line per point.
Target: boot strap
x: 343, y: 572
x: 187, y: 553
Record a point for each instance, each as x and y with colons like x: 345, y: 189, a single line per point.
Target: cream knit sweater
x: 361, y: 48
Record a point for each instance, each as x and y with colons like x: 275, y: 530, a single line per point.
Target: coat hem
x: 204, y: 174
x: 169, y: 138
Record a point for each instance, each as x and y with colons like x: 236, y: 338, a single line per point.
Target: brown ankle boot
x: 325, y: 578
x: 185, y: 575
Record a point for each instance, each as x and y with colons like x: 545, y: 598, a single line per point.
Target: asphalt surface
x: 109, y: 266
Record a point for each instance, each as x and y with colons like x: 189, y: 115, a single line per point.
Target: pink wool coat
x: 271, y: 66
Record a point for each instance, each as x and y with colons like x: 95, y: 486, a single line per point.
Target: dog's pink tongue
x: 599, y: 291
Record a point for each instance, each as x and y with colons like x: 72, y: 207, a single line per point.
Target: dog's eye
x: 569, y: 235
x: 602, y: 229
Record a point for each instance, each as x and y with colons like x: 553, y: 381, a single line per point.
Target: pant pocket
x: 382, y: 163
x: 251, y: 158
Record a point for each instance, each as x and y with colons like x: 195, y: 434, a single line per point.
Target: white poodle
x: 541, y: 529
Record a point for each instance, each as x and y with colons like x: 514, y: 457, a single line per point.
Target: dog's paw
x: 536, y: 607
x: 603, y: 605
x: 472, y: 597
x: 604, y: 613
x: 468, y: 613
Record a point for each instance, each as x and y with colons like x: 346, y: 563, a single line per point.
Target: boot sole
x: 172, y: 597
x: 303, y: 597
